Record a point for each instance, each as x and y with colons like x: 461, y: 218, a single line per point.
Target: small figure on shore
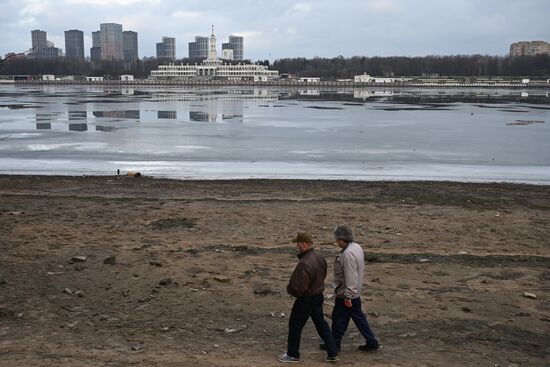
x: 349, y: 267
x: 307, y: 284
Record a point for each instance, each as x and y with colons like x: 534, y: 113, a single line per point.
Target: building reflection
x: 78, y: 127
x: 43, y: 120
x: 128, y: 114
x: 43, y: 126
x: 201, y: 116
x: 105, y: 128
x: 171, y: 115
x: 77, y: 115
x: 213, y: 105
x: 309, y: 92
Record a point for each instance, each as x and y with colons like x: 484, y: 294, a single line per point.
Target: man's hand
x: 347, y: 303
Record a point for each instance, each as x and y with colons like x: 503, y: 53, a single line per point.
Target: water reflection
x: 78, y: 127
x: 171, y: 115
x: 43, y: 126
x: 77, y: 115
x: 201, y: 116
x: 106, y: 128
x: 128, y: 114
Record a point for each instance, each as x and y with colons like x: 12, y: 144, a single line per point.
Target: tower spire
x: 212, y: 46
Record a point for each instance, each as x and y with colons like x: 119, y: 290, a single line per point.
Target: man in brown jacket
x: 307, y: 284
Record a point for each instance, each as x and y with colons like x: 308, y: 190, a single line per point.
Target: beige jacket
x: 349, y: 267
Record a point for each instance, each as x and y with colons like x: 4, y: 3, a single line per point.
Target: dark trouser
x: 340, y: 321
x: 303, y: 309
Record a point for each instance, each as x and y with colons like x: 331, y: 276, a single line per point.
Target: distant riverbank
x: 294, y: 83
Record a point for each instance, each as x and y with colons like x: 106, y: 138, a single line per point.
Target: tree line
x: 459, y: 65
x: 326, y: 68
x: 108, y: 68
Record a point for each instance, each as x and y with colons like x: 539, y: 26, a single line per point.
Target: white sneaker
x: 285, y: 358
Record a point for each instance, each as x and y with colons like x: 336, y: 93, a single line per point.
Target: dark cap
x: 302, y: 237
x: 343, y: 233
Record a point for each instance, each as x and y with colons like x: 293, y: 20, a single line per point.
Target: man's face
x: 341, y: 243
x: 302, y: 246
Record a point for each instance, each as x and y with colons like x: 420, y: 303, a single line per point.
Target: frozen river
x: 214, y: 133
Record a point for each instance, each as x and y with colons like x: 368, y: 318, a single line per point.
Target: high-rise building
x: 529, y: 48
x: 130, y: 46
x: 111, y: 41
x: 41, y: 47
x: 167, y: 48
x: 236, y: 43
x: 199, y: 48
x: 39, y: 40
x: 95, y: 50
x: 74, y: 44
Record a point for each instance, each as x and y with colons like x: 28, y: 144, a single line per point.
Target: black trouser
x: 302, y: 310
x: 340, y: 321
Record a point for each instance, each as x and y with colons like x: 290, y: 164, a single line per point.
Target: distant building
x: 236, y: 44
x: 310, y: 80
x: 365, y: 78
x: 39, y: 40
x: 526, y: 48
x: 227, y: 54
x: 167, y: 48
x: 214, y: 68
x: 95, y: 50
x: 111, y: 41
x: 199, y: 48
x: 74, y: 44
x: 41, y: 47
x: 130, y: 46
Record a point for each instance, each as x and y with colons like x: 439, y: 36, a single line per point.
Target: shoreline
x: 284, y: 180
x: 279, y: 178
x: 292, y: 84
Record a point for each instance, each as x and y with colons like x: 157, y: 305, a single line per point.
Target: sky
x: 275, y: 29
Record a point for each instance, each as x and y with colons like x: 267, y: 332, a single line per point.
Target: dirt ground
x: 200, y: 268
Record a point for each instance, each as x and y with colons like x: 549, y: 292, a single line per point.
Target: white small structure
x: 227, y: 54
x: 365, y: 78
x: 525, y: 81
x: 127, y: 78
x: 48, y: 77
x: 310, y: 80
x: 94, y: 78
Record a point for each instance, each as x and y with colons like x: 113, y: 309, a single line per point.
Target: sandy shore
x: 447, y: 268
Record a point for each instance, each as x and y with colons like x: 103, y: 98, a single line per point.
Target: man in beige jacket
x: 349, y: 267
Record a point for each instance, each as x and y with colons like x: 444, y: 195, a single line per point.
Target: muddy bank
x: 137, y: 271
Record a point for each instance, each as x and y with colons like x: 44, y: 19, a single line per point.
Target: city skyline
x: 290, y: 29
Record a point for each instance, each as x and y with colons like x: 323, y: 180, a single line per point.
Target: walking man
x: 307, y: 284
x: 349, y: 267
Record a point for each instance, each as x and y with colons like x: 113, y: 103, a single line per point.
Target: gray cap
x: 343, y: 233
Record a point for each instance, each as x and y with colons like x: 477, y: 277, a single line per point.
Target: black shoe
x: 323, y: 346
x: 332, y: 359
x: 369, y: 348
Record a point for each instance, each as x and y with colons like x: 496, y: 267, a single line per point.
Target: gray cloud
x: 285, y: 28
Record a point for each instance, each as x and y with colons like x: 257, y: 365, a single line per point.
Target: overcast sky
x: 283, y: 28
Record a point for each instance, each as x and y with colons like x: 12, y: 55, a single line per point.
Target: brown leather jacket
x: 308, y: 278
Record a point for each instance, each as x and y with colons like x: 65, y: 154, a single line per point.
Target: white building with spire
x: 214, y: 68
